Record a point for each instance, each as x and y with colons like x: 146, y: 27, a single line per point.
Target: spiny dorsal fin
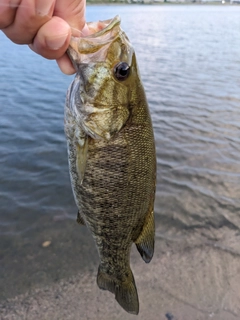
x: 145, y: 241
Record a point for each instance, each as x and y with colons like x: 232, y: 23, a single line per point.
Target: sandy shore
x: 196, y: 277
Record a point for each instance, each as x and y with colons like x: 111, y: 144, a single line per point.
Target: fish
x: 111, y: 154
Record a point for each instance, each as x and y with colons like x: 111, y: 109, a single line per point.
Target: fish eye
x: 121, y: 71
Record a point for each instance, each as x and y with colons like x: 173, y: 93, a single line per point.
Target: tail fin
x: 125, y: 292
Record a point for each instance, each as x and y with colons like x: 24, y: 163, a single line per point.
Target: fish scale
x: 112, y: 159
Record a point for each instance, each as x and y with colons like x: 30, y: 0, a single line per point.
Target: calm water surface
x: 189, y: 58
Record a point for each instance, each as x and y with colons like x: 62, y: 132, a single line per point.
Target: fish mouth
x: 94, y: 47
x: 100, y: 28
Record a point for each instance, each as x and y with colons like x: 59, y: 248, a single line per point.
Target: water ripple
x: 190, y: 69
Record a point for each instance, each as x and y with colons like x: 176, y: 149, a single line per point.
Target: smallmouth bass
x: 111, y: 151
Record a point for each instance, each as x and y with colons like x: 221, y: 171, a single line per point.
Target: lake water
x: 189, y: 58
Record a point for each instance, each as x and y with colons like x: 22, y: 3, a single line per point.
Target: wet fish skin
x: 112, y: 159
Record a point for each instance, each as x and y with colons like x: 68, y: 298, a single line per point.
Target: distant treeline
x: 164, y: 1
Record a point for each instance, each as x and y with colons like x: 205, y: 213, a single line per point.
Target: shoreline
x: 191, y: 277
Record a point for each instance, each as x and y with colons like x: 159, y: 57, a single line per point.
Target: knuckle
x: 15, y: 37
x: 7, y: 14
x: 6, y: 20
x: 25, y: 31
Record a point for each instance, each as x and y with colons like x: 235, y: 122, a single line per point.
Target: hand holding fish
x: 45, y: 25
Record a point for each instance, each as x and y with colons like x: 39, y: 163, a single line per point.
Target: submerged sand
x: 195, y: 276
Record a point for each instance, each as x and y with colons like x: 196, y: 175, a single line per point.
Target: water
x: 190, y: 66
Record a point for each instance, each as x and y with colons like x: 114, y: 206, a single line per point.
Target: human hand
x: 45, y: 25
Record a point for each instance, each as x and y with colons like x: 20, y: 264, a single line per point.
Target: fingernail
x: 43, y: 7
x: 56, y: 42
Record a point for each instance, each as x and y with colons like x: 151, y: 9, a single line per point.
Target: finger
x: 8, y: 10
x: 52, y: 39
x: 29, y: 17
x: 65, y: 65
x: 74, y: 14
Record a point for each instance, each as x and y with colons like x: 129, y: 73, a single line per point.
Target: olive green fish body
x: 112, y: 162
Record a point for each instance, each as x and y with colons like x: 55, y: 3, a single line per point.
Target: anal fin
x: 80, y: 219
x: 145, y: 241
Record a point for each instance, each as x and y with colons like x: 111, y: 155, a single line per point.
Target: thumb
x: 73, y: 12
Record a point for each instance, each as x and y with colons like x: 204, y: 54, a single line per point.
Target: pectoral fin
x: 80, y: 219
x: 145, y: 241
x: 81, y: 158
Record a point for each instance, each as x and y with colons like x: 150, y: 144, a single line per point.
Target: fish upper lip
x: 110, y: 24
